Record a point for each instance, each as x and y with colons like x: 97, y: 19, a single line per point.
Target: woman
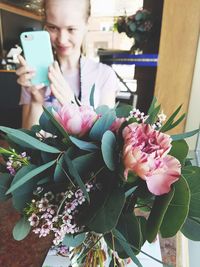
x: 71, y: 75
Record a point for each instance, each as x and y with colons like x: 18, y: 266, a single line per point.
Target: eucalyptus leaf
x: 5, y: 181
x: 83, y: 145
x: 156, y: 216
x: 74, y: 173
x: 27, y: 140
x: 192, y: 176
x: 191, y: 228
x: 56, y: 124
x: 102, y: 125
x: 132, y: 27
x: 83, y: 163
x: 108, y: 148
x: 123, y: 111
x: 129, y: 227
x: 59, y: 174
x: 21, y: 229
x: 126, y: 247
x: 92, y: 96
x: 179, y: 150
x: 101, y: 110
x: 184, y: 135
x: 47, y: 125
x: 177, y: 210
x: 23, y: 195
x: 30, y: 175
x: 107, y: 215
x: 74, y: 241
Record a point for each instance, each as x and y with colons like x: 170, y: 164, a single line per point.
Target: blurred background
x: 165, y: 64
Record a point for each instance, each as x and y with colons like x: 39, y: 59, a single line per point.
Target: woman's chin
x: 63, y: 52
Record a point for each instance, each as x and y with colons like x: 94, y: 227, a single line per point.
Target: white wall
x: 193, y: 115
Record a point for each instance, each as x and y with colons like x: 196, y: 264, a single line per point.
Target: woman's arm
x: 31, y: 114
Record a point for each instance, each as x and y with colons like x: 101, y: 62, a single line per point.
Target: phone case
x: 38, y: 54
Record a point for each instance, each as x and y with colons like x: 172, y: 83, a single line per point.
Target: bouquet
x: 101, y: 181
x: 138, y: 26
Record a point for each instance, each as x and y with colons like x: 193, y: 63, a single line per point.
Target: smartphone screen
x: 38, y: 54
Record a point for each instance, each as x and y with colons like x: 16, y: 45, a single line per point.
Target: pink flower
x: 117, y: 124
x: 76, y: 120
x: 167, y: 171
x: 145, y: 153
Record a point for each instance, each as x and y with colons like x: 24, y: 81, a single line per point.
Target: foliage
x: 90, y: 187
x: 138, y: 26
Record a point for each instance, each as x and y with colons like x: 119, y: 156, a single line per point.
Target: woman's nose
x: 63, y: 36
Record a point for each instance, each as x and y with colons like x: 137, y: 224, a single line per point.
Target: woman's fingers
x: 25, y: 79
x: 22, y: 61
x: 57, y: 94
x: 24, y: 69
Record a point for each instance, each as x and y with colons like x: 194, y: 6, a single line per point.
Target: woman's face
x: 66, y: 23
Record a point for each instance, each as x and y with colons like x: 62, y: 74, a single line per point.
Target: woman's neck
x: 69, y: 63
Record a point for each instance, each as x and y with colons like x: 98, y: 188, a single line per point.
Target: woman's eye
x: 52, y: 28
x: 71, y: 30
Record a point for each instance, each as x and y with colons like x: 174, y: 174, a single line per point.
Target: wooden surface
x: 19, y: 11
x: 177, y: 53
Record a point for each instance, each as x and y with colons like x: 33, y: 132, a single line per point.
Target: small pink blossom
x: 76, y: 120
x: 117, y: 124
x: 145, y: 153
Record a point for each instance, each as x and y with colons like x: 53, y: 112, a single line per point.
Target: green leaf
x: 92, y: 96
x: 108, y: 148
x: 192, y: 176
x: 74, y: 173
x: 153, y: 115
x: 191, y: 229
x: 156, y: 216
x: 129, y: 227
x: 5, y: 181
x: 4, y: 151
x: 47, y: 125
x: 83, y: 163
x: 123, y: 111
x: 184, y: 135
x: 27, y: 140
x: 83, y: 145
x: 132, y: 27
x: 107, y: 215
x: 170, y: 121
x: 130, y: 191
x: 59, y: 174
x: 21, y: 229
x: 177, y: 211
x: 102, y: 125
x: 177, y: 122
x: 126, y: 247
x: 30, y: 175
x: 74, y: 241
x: 56, y: 123
x: 152, y: 106
x: 179, y: 150
x: 23, y: 195
x: 101, y: 110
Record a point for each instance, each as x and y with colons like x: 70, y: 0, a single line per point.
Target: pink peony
x: 76, y: 120
x: 145, y: 153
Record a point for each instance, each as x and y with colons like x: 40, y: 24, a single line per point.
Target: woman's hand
x: 58, y: 85
x: 25, y: 74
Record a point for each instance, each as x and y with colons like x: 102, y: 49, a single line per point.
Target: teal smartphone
x: 38, y: 53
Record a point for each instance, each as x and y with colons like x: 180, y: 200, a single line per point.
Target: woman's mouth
x: 62, y: 49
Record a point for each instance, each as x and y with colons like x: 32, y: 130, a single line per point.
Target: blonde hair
x: 87, y: 8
